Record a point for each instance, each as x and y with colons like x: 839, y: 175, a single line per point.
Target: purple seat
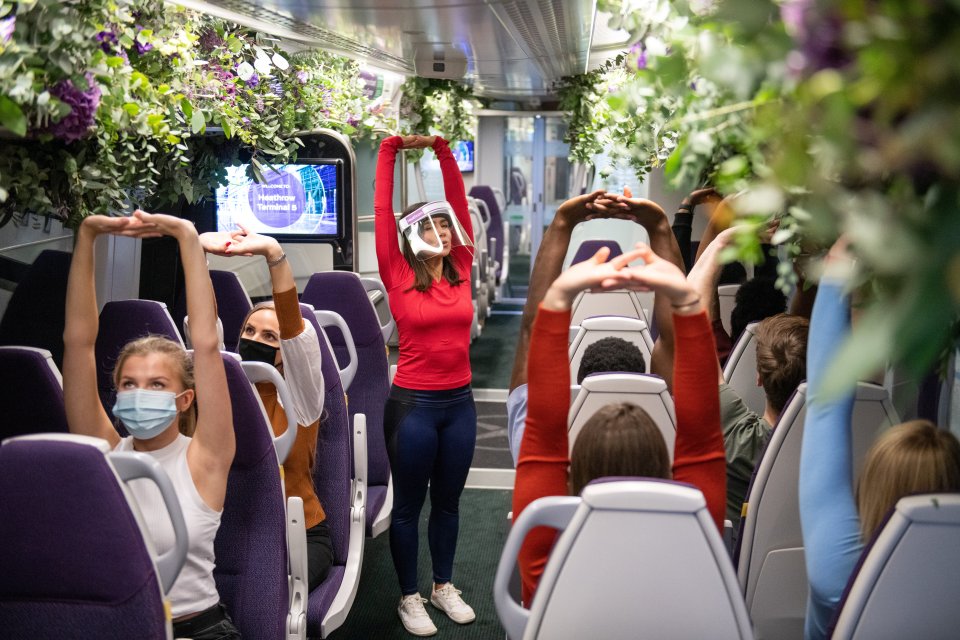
x: 74, y: 560
x: 251, y: 545
x: 589, y: 247
x: 28, y: 372
x: 329, y: 603
x: 122, y: 321
x: 495, y: 232
x: 35, y: 313
x: 233, y: 304
x: 343, y: 293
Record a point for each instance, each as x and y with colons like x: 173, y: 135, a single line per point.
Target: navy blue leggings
x: 430, y: 438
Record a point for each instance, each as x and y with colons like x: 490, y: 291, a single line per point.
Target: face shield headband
x: 428, y: 227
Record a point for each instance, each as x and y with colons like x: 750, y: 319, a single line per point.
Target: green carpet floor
x: 483, y: 530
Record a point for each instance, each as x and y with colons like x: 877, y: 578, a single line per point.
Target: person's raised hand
x: 249, y: 243
x: 418, y: 142
x: 641, y: 210
x: 166, y: 224
x: 663, y: 277
x: 119, y: 226
x: 582, y: 207
x: 594, y: 273
x: 216, y: 242
x: 699, y: 196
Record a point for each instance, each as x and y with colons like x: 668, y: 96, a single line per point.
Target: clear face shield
x: 433, y: 230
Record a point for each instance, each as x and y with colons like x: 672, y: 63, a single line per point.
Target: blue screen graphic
x: 296, y: 199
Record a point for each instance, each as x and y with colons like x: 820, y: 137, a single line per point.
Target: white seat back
x: 726, y: 296
x: 663, y: 568
x: 907, y: 585
x: 610, y: 303
x: 646, y: 391
x: 740, y: 372
x: 593, y: 329
x: 771, y: 563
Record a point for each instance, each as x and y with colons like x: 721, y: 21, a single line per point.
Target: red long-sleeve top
x: 544, y: 462
x: 433, y: 325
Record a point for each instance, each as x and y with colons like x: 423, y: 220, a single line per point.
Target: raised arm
x: 389, y: 258
x: 828, y: 511
x: 683, y: 221
x: 705, y: 276
x: 699, y: 456
x: 663, y: 243
x: 547, y: 267
x: 453, y: 189
x: 542, y: 469
x: 299, y: 346
x: 212, y: 449
x: 85, y: 414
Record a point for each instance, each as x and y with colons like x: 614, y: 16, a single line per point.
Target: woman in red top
x: 430, y: 421
x: 621, y: 439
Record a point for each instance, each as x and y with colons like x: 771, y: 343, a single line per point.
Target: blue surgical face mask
x: 146, y: 414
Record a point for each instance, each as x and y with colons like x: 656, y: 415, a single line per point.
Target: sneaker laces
x: 413, y: 604
x: 449, y: 592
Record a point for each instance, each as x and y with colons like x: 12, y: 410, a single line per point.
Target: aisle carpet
x: 483, y: 530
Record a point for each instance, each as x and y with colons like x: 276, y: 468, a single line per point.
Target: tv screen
x: 463, y: 152
x: 300, y: 201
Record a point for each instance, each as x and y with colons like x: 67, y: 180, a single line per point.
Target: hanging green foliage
x: 831, y: 116
x: 107, y: 105
x: 430, y: 106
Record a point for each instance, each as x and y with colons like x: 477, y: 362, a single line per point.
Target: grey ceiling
x: 514, y: 48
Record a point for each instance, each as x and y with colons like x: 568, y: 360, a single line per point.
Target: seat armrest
x: 555, y: 512
x: 263, y: 372
x: 375, y: 284
x: 297, y: 552
x: 131, y: 465
x: 331, y: 319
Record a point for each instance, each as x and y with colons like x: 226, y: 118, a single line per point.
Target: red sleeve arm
x: 544, y: 452
x: 698, y: 453
x: 456, y: 195
x: 389, y: 259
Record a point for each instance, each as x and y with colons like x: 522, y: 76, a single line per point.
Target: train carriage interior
x: 735, y: 219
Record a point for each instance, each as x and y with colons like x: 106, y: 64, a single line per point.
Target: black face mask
x: 257, y: 351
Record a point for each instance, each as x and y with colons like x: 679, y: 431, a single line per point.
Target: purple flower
x: 302, y: 77
x: 353, y: 120
x: 210, y: 40
x: 7, y: 27
x: 142, y: 47
x: 245, y: 120
x: 83, y: 105
x: 638, y: 54
x: 108, y: 41
x: 226, y: 78
x: 276, y: 87
x: 253, y: 80
x: 818, y: 33
x: 258, y: 105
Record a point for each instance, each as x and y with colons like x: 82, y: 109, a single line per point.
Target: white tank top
x: 194, y: 589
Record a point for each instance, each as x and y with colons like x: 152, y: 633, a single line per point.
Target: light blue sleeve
x: 516, y: 420
x: 828, y: 511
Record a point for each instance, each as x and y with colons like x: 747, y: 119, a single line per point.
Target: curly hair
x: 610, y: 354
x: 756, y: 299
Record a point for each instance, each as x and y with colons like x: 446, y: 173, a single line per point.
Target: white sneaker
x: 414, y: 616
x: 447, y: 599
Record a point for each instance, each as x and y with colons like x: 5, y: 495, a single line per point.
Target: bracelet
x: 685, y: 304
x: 273, y: 263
